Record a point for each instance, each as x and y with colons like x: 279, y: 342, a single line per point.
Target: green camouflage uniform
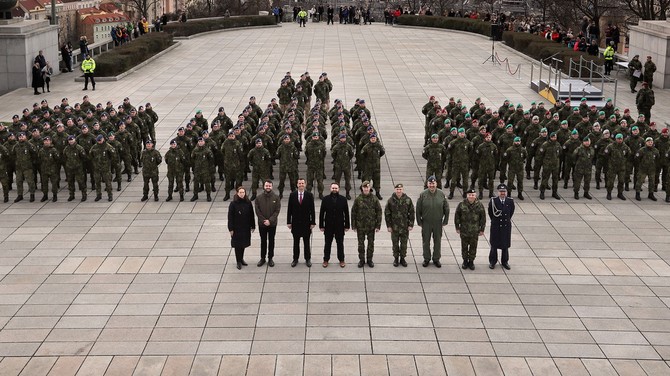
x: 288, y: 156
x: 399, y: 217
x: 487, y: 154
x: 583, y: 162
x: 342, y: 154
x: 25, y: 154
x: 372, y: 154
x: 436, y: 156
x: 315, y: 152
x: 366, y: 219
x: 151, y: 159
x: 103, y: 156
x: 74, y: 158
x: 202, y: 157
x: 550, y: 156
x: 646, y: 160
x: 616, y: 154
x: 174, y: 159
x: 50, y: 169
x: 516, y: 158
x: 232, y: 165
x: 470, y: 221
x: 460, y: 151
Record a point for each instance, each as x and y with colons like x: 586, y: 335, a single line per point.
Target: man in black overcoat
x: 301, y: 219
x: 334, y: 222
x: 501, y: 210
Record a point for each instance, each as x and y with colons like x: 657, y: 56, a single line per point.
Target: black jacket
x: 334, y: 214
x: 501, y: 222
x: 301, y: 216
x: 241, y: 222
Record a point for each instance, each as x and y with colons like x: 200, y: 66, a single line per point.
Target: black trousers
x: 305, y: 245
x: 493, y: 256
x: 339, y: 239
x: 86, y: 77
x: 267, y: 236
x: 239, y: 254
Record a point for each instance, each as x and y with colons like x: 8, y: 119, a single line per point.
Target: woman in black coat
x: 241, y: 224
x: 38, y: 80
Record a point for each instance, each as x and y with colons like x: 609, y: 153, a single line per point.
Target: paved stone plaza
x: 151, y: 288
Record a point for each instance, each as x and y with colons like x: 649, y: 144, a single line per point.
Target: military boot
x: 201, y: 188
x: 155, y: 196
x: 597, y: 184
x: 213, y: 187
x: 541, y: 194
x: 520, y: 196
x: 466, y: 263
x: 98, y: 198
x: 130, y: 178
x: 110, y: 197
x: 403, y: 262
x: 576, y: 195
x: 481, y: 195
x: 221, y: 177
x: 609, y: 195
x: 535, y: 184
x: 587, y: 196
x: 195, y: 197
x: 44, y: 198
x: 169, y: 197
x: 6, y: 197
x: 667, y: 197
x: 136, y: 171
x: 188, y: 186
x: 348, y: 195
x: 83, y: 196
x: 181, y: 197
x: 209, y: 197
x: 18, y: 198
x: 253, y: 196
x: 227, y: 197
x: 555, y: 195
x: 54, y: 198
x: 637, y: 196
x: 651, y: 196
x: 379, y: 196
x: 626, y: 187
x: 565, y: 184
x: 118, y: 186
x: 144, y: 197
x: 621, y: 196
x: 451, y: 194
x: 395, y: 261
x: 32, y: 197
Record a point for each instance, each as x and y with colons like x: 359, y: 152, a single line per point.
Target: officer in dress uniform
x: 501, y: 210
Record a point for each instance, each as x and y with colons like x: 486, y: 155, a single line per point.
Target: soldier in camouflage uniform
x: 25, y: 153
x: 288, y: 156
x: 49, y: 159
x: 616, y: 155
x: 662, y: 143
x: 87, y: 140
x: 174, y: 159
x: 232, y: 166
x: 470, y: 221
x: 366, y: 220
x: 342, y: 153
x: 126, y: 140
x: 372, y: 154
x: 186, y: 145
x: 568, y: 149
x: 516, y: 157
x: 399, y: 217
x: 550, y: 156
x: 202, y: 157
x: 460, y: 151
x: 315, y: 153
x: 116, y: 165
x: 647, y: 157
x: 258, y: 158
x: 436, y: 155
x: 74, y: 158
x: 583, y: 164
x: 103, y: 156
x: 487, y: 154
x: 4, y: 180
x: 151, y: 159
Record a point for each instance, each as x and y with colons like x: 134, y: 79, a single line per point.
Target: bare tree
x: 649, y: 9
x: 594, y: 9
x: 142, y: 6
x: 441, y: 7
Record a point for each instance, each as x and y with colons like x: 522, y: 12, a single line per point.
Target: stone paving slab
x: 151, y: 288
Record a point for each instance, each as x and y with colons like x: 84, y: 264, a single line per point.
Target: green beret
x: 583, y: 100
x: 508, y: 126
x: 526, y: 112
x: 447, y: 121
x: 574, y: 131
x: 467, y: 116
x: 635, y: 128
x: 461, y: 130
x: 619, y: 135
x: 532, y: 103
x: 552, y: 134
x: 601, y: 113
x: 517, y: 139
x: 519, y: 105
x: 612, y: 116
x: 586, y: 138
x: 564, y: 122
x: 608, y: 100
x: 575, y: 109
x: 434, y: 135
x: 543, y: 130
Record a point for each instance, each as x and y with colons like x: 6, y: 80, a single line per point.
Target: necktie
x: 300, y: 198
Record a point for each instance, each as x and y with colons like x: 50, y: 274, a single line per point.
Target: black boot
x: 652, y: 197
x: 155, y: 196
x: 98, y: 198
x: 118, y: 186
x: 145, y: 197
x: 6, y: 197
x: 169, y: 197
x: 542, y: 194
x: 626, y: 187
x: 18, y: 198
x: 466, y: 263
x: 555, y: 195
x: 403, y: 262
x: 110, y: 197
x: 609, y: 195
x: 32, y: 197
x: 188, y: 187
x: 209, y: 197
x: 348, y: 196
x: 520, y: 196
x: 637, y: 196
x: 54, y: 198
x: 451, y: 195
x: 535, y: 185
x: 620, y: 196
x: 44, y: 198
x: 667, y: 197
x: 379, y: 196
x: 481, y: 195
x: 227, y: 197
x: 194, y: 198
x: 83, y: 196
x: 576, y: 195
x: 181, y: 197
x: 130, y: 178
x: 587, y: 196
x: 253, y: 196
x: 565, y: 185
x: 395, y: 261
x: 597, y: 184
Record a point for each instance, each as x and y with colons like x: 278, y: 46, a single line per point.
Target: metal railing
x: 555, y: 74
x: 595, y: 73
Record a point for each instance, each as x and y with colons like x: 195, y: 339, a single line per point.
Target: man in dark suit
x: 301, y: 219
x: 334, y: 222
x: 501, y: 210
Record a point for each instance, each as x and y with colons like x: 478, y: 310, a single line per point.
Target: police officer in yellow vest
x: 88, y: 66
x: 608, y: 54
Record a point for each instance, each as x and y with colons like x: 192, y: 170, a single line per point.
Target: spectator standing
x: 38, y: 80
x: 83, y: 45
x: 66, y: 54
x: 47, y: 71
x: 268, y: 206
x: 240, y: 224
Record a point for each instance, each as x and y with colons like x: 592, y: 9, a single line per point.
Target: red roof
x: 105, y: 18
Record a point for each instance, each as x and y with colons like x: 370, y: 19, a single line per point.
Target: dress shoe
x: 308, y: 263
x: 403, y: 262
x: 239, y: 266
x: 261, y: 262
x: 395, y: 262
x: 243, y: 262
x: 587, y: 196
x: 325, y: 264
x: 506, y: 266
x: 342, y: 264
x: 492, y: 266
x: 271, y: 263
x: 294, y: 263
x: 371, y: 264
x: 425, y: 263
x: 465, y: 264
x: 437, y: 263
x: 471, y: 265
x: 361, y: 263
